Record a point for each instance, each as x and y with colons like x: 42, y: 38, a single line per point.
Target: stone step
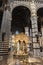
x: 4, y: 45
x: 3, y: 49
x: 3, y: 53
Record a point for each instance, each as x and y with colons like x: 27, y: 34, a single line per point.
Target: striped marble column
x: 34, y: 29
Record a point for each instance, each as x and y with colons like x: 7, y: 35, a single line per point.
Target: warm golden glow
x: 21, y: 37
x: 20, y: 44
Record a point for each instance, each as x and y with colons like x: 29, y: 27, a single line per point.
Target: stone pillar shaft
x: 6, y: 27
x: 27, y: 31
x: 18, y: 49
x: 34, y: 29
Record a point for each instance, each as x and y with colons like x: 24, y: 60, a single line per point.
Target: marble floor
x: 12, y: 61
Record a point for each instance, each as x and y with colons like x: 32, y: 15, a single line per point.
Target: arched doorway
x: 40, y: 26
x: 20, y: 24
x: 20, y: 19
x: 40, y: 18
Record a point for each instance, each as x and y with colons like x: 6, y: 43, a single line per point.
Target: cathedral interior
x: 21, y: 32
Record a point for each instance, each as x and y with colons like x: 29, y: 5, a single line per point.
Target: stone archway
x: 8, y: 17
x: 20, y: 18
x: 14, y: 4
x: 32, y: 7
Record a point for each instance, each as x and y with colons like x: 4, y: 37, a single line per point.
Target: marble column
x: 34, y: 29
x: 42, y: 30
x: 6, y: 21
x: 30, y: 32
x: 6, y: 26
x: 27, y: 31
x: 18, y: 48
